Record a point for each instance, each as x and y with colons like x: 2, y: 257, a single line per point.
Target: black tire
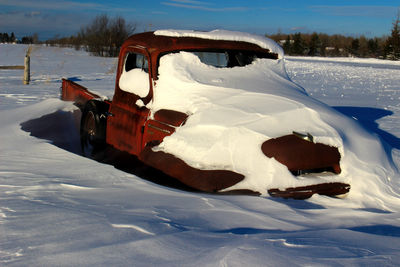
x: 93, y: 128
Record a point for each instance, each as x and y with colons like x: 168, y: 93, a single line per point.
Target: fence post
x: 27, y: 66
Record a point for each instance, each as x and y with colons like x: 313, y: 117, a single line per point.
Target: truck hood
x: 233, y: 111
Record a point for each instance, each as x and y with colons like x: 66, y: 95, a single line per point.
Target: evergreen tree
x: 392, y: 47
x: 315, y: 45
x: 12, y: 38
x: 287, y: 46
x: 6, y: 38
x: 373, y: 47
x: 298, y: 45
x: 355, y: 46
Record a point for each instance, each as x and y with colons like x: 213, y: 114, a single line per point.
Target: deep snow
x: 59, y: 208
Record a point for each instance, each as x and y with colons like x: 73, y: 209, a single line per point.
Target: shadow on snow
x: 383, y: 230
x: 61, y: 128
x: 367, y: 117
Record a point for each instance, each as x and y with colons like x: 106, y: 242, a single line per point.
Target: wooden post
x: 27, y: 66
x: 27, y: 69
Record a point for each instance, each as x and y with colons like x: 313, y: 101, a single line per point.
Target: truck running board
x: 304, y: 192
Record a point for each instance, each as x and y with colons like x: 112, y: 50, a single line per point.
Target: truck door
x: 128, y: 113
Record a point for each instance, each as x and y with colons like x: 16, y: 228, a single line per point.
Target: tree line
x: 10, y: 38
x: 320, y: 44
x: 6, y: 38
x: 104, y: 37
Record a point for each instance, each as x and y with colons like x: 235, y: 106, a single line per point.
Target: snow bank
x: 261, y: 41
x: 58, y: 208
x: 234, y: 110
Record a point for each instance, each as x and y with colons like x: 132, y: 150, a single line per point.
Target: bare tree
x: 104, y: 36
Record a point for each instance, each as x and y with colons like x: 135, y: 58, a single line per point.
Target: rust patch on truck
x: 300, y: 155
x: 204, y: 180
x: 171, y: 117
x: 80, y: 95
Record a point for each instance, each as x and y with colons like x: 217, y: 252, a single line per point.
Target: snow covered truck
x: 215, y: 110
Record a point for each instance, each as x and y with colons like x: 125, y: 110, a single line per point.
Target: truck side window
x: 136, y: 61
x: 135, y: 75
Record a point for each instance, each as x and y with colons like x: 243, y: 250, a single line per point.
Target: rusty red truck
x: 139, y: 120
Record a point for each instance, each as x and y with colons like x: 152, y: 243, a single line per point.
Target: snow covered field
x: 59, y: 208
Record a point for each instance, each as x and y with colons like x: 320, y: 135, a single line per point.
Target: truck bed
x: 71, y: 91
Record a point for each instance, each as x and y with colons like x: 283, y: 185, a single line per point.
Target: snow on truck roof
x: 225, y: 35
x: 163, y: 39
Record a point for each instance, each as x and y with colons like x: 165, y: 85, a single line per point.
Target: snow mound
x: 234, y: 110
x: 261, y: 41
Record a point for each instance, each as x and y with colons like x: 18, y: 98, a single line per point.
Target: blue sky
x: 51, y: 17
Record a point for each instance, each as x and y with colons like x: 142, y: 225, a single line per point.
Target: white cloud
x: 356, y: 11
x: 191, y: 2
x: 188, y: 4
x: 64, y: 5
x: 47, y: 25
x: 47, y: 4
x: 49, y: 17
x: 297, y: 29
x: 159, y: 13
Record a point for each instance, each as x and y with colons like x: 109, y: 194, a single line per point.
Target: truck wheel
x: 93, y: 128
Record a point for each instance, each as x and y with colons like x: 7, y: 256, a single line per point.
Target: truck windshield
x: 230, y: 58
